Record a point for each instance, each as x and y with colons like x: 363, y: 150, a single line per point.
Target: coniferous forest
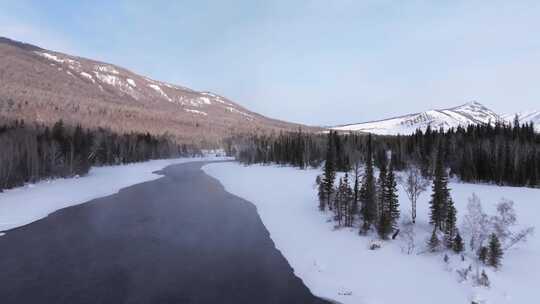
x: 33, y: 152
x: 500, y: 154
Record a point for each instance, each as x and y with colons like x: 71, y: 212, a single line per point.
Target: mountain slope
x: 467, y: 114
x: 525, y: 117
x: 45, y: 86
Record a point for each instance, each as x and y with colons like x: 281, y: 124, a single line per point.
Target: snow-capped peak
x: 477, y: 112
x: 470, y: 113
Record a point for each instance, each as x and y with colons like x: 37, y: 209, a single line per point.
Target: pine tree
x: 338, y: 201
x: 433, y: 242
x: 368, y: 196
x: 392, y: 198
x: 321, y: 192
x: 495, y: 252
x: 381, y: 187
x: 384, y: 225
x: 329, y: 174
x: 440, y: 198
x: 388, y: 203
x: 450, y: 225
x: 347, y: 197
x: 356, y: 190
x: 458, y: 245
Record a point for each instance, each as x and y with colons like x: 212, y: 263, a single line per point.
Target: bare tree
x: 476, y: 223
x: 504, y: 221
x: 414, y: 184
x: 408, y: 236
x: 520, y: 236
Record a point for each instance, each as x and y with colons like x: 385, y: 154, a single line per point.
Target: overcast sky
x: 314, y: 62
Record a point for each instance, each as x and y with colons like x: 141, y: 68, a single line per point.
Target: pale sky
x: 315, y: 62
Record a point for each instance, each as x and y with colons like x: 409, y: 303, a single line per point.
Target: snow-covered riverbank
x: 337, y: 264
x: 23, y: 205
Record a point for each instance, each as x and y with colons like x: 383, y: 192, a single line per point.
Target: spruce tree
x: 392, y: 198
x: 384, y: 224
x: 356, y: 191
x: 388, y: 202
x: 368, y: 196
x: 495, y: 252
x: 329, y: 174
x: 381, y: 187
x: 440, y: 198
x: 450, y: 225
x: 347, y: 198
x: 338, y: 200
x: 433, y: 242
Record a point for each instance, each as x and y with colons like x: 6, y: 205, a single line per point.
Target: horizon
x: 231, y: 150
x: 299, y: 62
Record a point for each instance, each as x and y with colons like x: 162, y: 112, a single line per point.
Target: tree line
x: 29, y: 153
x: 504, y: 154
x: 356, y: 198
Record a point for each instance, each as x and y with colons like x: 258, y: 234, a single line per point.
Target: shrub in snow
x: 447, y: 264
x: 407, y: 236
x: 519, y: 237
x: 457, y: 245
x: 463, y: 274
x: 374, y: 245
x: 483, y: 279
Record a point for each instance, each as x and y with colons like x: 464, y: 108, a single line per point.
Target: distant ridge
x: 471, y: 113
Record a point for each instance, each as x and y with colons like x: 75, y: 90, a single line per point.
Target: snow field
x: 337, y: 264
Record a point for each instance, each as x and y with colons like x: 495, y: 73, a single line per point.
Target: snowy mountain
x: 40, y: 85
x: 525, y: 117
x: 467, y: 114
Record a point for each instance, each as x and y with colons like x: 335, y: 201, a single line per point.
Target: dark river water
x: 179, y: 239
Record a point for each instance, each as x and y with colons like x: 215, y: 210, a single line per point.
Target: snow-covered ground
x: 23, y: 205
x: 337, y: 264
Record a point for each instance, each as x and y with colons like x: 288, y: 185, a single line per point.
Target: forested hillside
x: 40, y: 85
x: 29, y: 153
x: 501, y: 154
